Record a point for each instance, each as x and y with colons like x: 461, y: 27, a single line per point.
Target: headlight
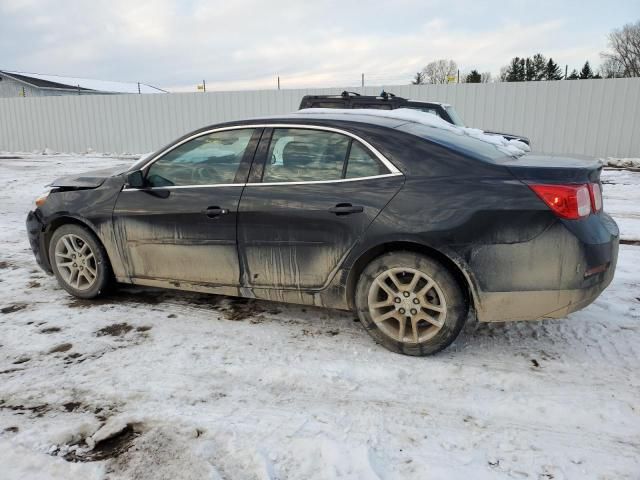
x: 42, y: 198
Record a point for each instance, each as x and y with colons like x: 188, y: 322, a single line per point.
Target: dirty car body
x: 244, y: 228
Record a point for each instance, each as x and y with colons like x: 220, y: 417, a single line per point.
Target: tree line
x: 622, y: 60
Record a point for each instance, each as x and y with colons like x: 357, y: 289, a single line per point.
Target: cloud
x: 247, y: 43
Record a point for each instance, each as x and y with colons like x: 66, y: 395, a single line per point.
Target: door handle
x: 346, y: 209
x: 213, y: 212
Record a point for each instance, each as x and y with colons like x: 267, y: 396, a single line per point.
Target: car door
x: 313, y: 192
x: 181, y: 226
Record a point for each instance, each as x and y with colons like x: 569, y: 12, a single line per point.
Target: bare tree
x: 625, y: 46
x: 504, y: 73
x: 439, y: 71
x: 485, y: 77
x: 611, y: 68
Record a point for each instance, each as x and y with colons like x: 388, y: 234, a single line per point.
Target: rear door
x: 308, y: 202
x: 181, y: 227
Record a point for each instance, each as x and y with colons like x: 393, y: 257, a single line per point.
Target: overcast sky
x: 239, y: 44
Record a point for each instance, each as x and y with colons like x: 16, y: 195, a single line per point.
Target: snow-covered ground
x: 208, y: 387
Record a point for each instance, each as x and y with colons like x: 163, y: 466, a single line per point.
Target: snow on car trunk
x: 155, y: 384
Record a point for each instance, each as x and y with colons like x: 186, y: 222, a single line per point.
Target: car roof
x: 424, y: 125
x: 329, y: 115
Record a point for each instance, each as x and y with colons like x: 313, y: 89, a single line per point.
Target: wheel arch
x: 66, y: 219
x: 461, y: 274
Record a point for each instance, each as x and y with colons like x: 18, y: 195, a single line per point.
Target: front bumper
x: 549, y: 276
x: 37, y: 240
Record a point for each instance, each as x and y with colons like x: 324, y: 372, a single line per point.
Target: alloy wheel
x: 407, y: 305
x: 76, y: 262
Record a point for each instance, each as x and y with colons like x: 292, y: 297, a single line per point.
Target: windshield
x: 455, y: 118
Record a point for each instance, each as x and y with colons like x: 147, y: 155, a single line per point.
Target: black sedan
x: 414, y: 227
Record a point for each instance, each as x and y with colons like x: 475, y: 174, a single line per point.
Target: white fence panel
x: 592, y: 117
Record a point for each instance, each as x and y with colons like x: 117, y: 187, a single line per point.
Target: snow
x: 622, y: 162
x: 510, y: 147
x: 220, y: 388
x: 98, y: 85
x: 621, y: 190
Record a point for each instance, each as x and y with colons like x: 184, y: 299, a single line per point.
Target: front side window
x: 300, y: 155
x: 207, y: 160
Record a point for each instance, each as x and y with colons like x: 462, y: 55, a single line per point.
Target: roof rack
x: 347, y: 94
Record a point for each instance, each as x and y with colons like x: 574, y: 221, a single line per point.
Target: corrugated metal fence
x: 592, y: 117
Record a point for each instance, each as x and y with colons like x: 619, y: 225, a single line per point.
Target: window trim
x: 393, y: 170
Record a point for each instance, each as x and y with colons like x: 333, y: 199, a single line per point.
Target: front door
x: 318, y: 193
x: 182, y: 225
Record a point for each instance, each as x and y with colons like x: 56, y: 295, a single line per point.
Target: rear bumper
x: 35, y: 232
x: 555, y: 274
x: 539, y: 304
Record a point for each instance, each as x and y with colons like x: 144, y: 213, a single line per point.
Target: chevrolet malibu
x: 414, y: 227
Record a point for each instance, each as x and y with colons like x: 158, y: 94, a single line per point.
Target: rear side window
x: 206, y: 160
x: 301, y: 155
x: 362, y: 163
x: 297, y: 155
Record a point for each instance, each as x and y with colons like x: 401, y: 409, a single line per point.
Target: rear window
x: 377, y: 106
x: 329, y: 104
x: 460, y: 143
x: 454, y: 116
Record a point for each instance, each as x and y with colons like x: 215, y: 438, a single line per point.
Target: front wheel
x: 79, y: 261
x: 410, y: 303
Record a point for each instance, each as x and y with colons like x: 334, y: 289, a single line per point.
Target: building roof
x: 56, y: 82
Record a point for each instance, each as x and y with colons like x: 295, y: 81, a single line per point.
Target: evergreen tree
x: 418, y: 79
x: 474, y: 77
x: 586, y: 71
x: 529, y: 70
x: 539, y: 67
x: 574, y: 75
x: 552, y: 71
x: 516, y: 70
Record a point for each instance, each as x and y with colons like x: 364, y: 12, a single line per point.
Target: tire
x: 74, y: 248
x: 433, y: 310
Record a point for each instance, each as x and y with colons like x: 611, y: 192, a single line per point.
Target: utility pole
x: 278, y: 82
x: 78, y: 89
x: 566, y: 69
x: 458, y: 75
x: 363, y: 80
x: 139, y: 92
x: 204, y: 86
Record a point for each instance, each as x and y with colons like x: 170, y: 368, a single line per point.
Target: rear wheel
x: 410, y: 303
x: 79, y: 261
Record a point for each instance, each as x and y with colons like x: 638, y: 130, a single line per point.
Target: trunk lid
x: 540, y: 168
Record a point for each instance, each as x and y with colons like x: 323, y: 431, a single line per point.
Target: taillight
x: 566, y: 201
x: 595, y: 189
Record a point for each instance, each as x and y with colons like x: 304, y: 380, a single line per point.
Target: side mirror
x: 135, y: 179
